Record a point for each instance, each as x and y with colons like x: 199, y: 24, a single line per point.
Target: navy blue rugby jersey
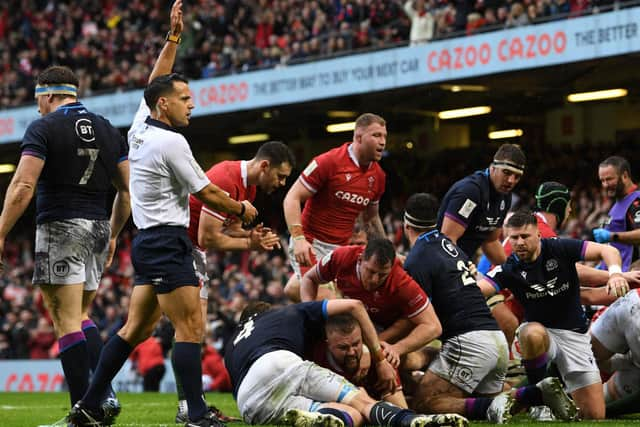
x: 293, y: 328
x: 441, y: 268
x: 548, y: 288
x: 475, y: 204
x: 81, y: 151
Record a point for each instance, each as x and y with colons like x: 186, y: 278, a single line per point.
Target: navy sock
x: 114, y: 354
x: 529, y: 395
x: 94, y: 342
x: 177, y: 377
x: 476, y: 407
x: 344, y: 416
x: 186, y: 361
x: 536, y: 368
x: 75, y: 364
x: 389, y: 415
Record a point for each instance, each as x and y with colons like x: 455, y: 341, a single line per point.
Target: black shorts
x: 162, y: 257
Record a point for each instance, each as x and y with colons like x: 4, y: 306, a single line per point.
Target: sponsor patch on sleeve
x: 310, y: 168
x: 197, y: 169
x: 468, y: 207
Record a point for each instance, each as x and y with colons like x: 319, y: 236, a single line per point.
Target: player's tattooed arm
x: 372, y: 222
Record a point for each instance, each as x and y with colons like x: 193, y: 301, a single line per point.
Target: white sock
x: 182, y: 406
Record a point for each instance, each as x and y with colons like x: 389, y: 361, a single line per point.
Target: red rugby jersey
x: 231, y: 177
x: 400, y: 295
x: 341, y: 189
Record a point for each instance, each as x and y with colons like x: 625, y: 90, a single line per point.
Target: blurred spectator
x: 148, y: 361
x: 517, y: 16
x: 214, y: 374
x: 422, y: 21
x: 42, y: 339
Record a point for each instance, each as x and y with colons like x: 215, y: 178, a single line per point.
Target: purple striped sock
x: 70, y: 340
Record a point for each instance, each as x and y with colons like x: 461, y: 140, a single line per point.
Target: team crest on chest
x: 348, y: 176
x: 449, y: 248
x: 524, y: 275
x: 502, y: 205
x: 371, y: 180
x: 551, y: 264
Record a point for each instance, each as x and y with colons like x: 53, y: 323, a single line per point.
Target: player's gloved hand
x: 250, y: 212
x: 601, y: 235
x: 617, y: 285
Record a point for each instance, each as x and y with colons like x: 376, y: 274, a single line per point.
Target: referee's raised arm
x: 167, y: 57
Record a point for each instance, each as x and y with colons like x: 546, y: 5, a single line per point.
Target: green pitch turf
x: 159, y: 409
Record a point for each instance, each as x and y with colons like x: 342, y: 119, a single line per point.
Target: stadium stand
x: 112, y: 43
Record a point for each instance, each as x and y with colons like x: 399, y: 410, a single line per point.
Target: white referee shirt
x: 163, y: 173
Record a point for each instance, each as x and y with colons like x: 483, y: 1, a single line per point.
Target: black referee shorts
x: 162, y: 257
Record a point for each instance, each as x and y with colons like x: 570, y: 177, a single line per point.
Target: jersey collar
x: 431, y: 235
x: 70, y: 106
x: 157, y: 123
x: 243, y: 172
x: 352, y: 155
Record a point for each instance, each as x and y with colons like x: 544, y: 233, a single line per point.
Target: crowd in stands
x: 112, y: 44
x: 237, y: 278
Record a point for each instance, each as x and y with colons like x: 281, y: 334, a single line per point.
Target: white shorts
x: 281, y: 380
x: 71, y: 251
x: 475, y: 361
x: 200, y: 266
x: 626, y: 383
x: 320, y: 248
x: 571, y: 353
x: 618, y: 328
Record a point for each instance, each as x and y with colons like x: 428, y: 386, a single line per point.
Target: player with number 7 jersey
x: 74, y: 157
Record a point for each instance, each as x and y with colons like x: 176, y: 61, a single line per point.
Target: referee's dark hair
x: 57, y: 74
x: 521, y: 219
x: 277, y: 153
x: 382, y: 248
x: 161, y: 86
x: 512, y: 153
x: 620, y: 164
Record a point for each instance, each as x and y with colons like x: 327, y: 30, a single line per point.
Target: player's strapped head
x: 522, y: 218
x: 57, y: 80
x: 367, y: 119
x: 510, y: 157
x: 620, y: 164
x: 277, y: 153
x: 421, y: 211
x: 161, y: 86
x: 382, y: 249
x: 553, y: 197
x: 343, y: 324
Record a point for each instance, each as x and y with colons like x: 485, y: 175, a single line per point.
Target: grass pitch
x: 159, y: 409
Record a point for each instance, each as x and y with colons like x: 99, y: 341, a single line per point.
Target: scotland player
x: 474, y: 208
x: 273, y: 384
x: 73, y: 156
x: 543, y: 278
